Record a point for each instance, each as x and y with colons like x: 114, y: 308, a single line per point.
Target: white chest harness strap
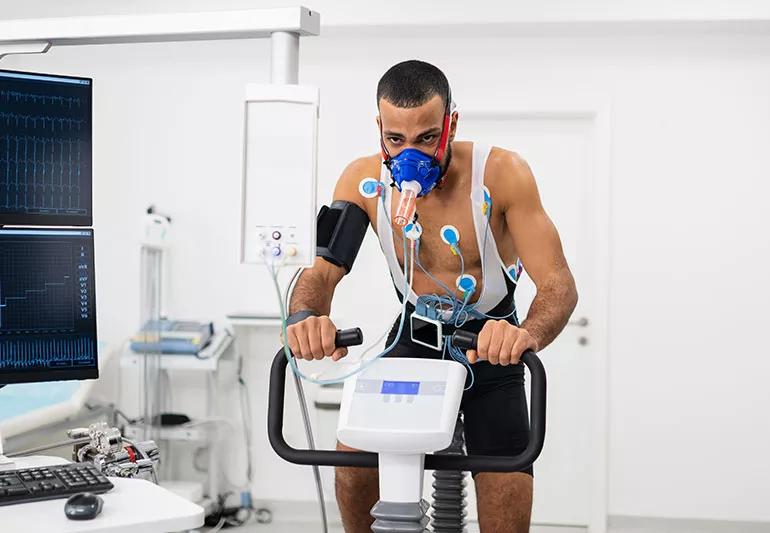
x: 493, y: 286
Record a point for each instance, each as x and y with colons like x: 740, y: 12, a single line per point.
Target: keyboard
x: 50, y: 482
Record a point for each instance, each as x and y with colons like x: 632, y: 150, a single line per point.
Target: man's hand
x: 500, y: 342
x: 313, y: 338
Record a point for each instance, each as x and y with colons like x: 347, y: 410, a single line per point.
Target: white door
x: 561, y: 150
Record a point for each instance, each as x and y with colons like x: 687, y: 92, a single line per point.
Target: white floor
x: 302, y: 517
x: 315, y: 528
x: 616, y: 525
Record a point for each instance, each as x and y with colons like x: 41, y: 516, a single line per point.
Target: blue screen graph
x: 47, y: 305
x: 45, y: 149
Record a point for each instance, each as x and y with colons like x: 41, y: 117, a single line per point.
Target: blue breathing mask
x: 413, y: 165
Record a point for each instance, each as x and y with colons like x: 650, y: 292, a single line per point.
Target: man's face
x: 414, y: 127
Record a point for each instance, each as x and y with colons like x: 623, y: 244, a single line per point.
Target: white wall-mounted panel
x: 279, y: 179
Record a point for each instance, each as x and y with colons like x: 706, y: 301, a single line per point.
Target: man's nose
x: 413, y: 146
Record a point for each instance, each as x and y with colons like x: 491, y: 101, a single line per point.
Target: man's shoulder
x: 347, y: 184
x: 506, y: 172
x: 502, y: 162
x: 363, y: 167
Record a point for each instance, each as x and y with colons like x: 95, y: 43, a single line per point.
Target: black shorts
x: 494, y: 409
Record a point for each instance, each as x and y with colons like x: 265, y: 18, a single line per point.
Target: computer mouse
x: 83, y: 506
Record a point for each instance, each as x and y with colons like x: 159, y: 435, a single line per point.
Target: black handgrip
x: 464, y: 340
x: 349, y: 337
x: 478, y: 463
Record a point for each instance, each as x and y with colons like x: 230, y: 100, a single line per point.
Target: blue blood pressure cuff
x: 341, y: 230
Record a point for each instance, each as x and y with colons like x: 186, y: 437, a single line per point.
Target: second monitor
x: 47, y: 305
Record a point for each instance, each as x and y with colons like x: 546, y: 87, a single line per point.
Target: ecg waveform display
x: 45, y: 149
x: 47, y: 353
x: 47, y: 315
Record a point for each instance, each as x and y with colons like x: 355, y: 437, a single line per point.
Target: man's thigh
x: 495, y: 416
x: 496, y: 422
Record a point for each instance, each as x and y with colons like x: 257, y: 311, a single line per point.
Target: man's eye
x: 428, y: 138
x: 394, y: 140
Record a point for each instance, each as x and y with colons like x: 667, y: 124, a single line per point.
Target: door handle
x: 581, y: 322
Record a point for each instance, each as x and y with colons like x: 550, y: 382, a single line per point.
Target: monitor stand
x: 5, y: 462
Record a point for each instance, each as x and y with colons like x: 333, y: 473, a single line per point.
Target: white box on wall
x: 278, y: 209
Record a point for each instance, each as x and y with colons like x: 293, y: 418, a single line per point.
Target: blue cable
x: 473, y: 311
x: 459, y: 315
x: 292, y: 360
x: 458, y: 356
x: 417, y: 253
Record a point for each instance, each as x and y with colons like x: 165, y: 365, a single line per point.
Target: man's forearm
x: 312, y: 292
x: 551, y: 308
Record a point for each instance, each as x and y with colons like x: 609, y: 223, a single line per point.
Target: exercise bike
x: 399, y: 410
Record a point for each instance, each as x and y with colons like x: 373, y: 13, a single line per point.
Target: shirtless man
x: 415, y: 113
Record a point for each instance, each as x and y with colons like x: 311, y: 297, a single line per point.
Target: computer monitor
x: 47, y: 305
x: 45, y: 149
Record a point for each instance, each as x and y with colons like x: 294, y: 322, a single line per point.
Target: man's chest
x: 436, y: 253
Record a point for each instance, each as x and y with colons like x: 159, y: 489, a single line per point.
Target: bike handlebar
x: 479, y: 463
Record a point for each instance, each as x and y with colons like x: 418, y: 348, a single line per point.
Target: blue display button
x: 400, y: 387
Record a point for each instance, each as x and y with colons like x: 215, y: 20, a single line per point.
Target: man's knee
x: 357, y: 491
x: 358, y: 480
x: 504, y: 501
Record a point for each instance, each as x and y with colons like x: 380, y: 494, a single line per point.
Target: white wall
x: 690, y: 130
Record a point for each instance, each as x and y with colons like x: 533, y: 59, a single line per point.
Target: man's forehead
x: 427, y: 115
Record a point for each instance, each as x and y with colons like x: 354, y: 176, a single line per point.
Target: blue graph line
x: 36, y: 287
x: 26, y: 292
x: 30, y: 164
x: 44, y: 119
x: 47, y: 353
x: 44, y: 152
x: 36, y: 98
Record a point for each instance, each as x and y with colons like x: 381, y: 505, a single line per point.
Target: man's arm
x: 539, y: 247
x: 315, y: 287
x: 313, y: 338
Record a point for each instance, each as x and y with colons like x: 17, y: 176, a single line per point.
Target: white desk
x: 134, y: 505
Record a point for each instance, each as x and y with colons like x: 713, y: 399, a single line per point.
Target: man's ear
x: 453, y: 125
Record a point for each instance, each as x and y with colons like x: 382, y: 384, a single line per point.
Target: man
x: 490, y: 229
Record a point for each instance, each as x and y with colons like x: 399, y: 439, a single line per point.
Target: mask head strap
x: 443, y: 141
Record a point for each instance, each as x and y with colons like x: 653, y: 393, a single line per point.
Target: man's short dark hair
x: 412, y: 83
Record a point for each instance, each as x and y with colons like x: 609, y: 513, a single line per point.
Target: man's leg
x: 497, y: 423
x: 357, y: 492
x: 504, y: 501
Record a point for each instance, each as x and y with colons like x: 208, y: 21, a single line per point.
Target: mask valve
x: 405, y: 212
